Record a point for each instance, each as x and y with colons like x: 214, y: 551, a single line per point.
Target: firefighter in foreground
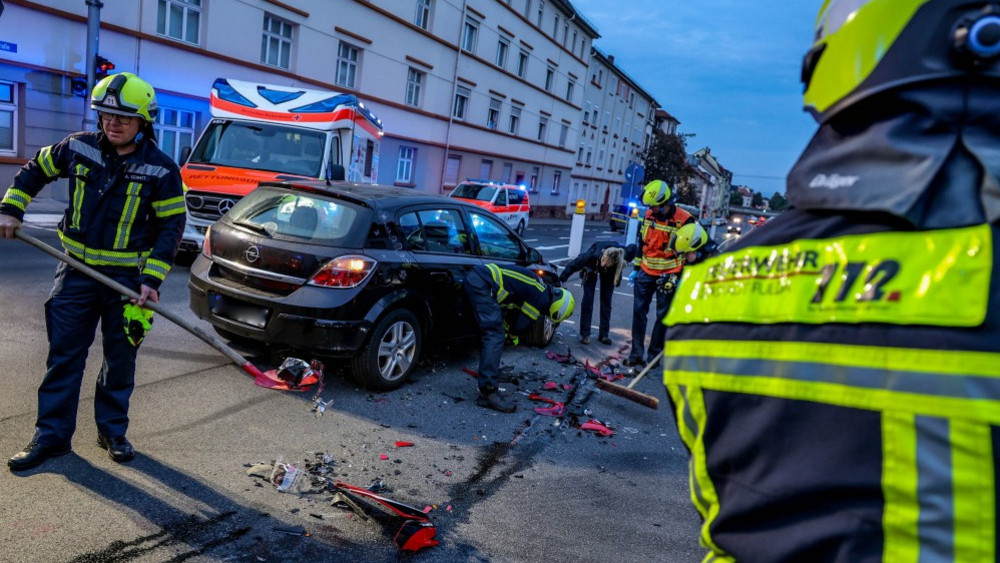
x: 657, y: 268
x: 603, y: 262
x: 491, y: 290
x: 125, y: 217
x: 835, y: 374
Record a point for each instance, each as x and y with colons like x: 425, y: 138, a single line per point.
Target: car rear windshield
x: 292, y: 214
x: 475, y: 191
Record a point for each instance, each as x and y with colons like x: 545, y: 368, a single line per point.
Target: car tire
x: 614, y: 226
x: 520, y: 228
x: 391, y: 353
x: 541, y: 333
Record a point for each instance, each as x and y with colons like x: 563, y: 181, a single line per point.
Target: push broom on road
x: 212, y: 341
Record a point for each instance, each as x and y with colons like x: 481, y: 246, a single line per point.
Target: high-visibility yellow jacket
x: 124, y: 211
x: 838, y: 387
x: 519, y: 290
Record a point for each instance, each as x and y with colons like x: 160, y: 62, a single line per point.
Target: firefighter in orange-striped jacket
x: 124, y: 219
x: 657, y: 268
x: 836, y: 373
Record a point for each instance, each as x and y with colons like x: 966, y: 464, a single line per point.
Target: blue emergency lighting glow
x: 327, y: 105
x: 632, y: 204
x: 226, y: 92
x: 523, y: 188
x: 278, y: 96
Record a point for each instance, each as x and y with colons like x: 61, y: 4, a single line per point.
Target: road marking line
x: 551, y: 247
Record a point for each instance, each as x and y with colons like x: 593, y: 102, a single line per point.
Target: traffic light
x: 102, y: 66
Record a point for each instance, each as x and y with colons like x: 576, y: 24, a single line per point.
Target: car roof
x: 371, y: 195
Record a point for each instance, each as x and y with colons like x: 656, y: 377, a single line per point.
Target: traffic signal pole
x: 93, y: 31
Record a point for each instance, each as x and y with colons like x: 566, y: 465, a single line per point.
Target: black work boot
x: 496, y: 398
x: 119, y: 448
x: 35, y: 453
x: 604, y: 340
x: 584, y: 340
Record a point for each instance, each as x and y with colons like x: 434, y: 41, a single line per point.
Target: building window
x: 507, y: 169
x: 543, y: 123
x: 556, y: 178
x: 569, y: 90
x: 276, y: 44
x: 451, y: 169
x: 8, y: 117
x: 514, y: 125
x: 590, y: 155
x: 414, y: 81
x: 503, y: 47
x: 550, y: 74
x: 533, y: 183
x: 573, y: 48
x: 493, y: 114
x: 404, y: 166
x: 461, y: 102
x: 180, y: 19
x: 174, y: 131
x: 486, y: 169
x: 579, y: 155
x: 563, y: 133
x: 541, y: 13
x: 600, y: 157
x: 522, y: 63
x: 527, y: 9
x: 347, y: 64
x: 565, y: 40
x: 422, y: 19
x: 555, y: 28
x: 469, y: 34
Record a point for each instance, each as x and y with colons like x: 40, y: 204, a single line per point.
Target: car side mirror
x: 534, y: 256
x: 336, y: 173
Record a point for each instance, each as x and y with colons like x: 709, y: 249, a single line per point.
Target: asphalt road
x: 501, y: 487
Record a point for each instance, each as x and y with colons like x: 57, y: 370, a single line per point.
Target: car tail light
x: 345, y: 271
x: 206, y: 246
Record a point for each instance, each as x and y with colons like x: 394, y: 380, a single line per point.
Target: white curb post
x: 576, y: 228
x: 631, y: 227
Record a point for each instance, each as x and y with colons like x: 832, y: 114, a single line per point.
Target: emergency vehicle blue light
x: 327, y: 105
x: 523, y: 188
x: 632, y: 204
x: 278, y: 96
x: 226, y: 92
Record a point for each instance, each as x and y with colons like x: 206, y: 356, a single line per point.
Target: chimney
x: 611, y: 59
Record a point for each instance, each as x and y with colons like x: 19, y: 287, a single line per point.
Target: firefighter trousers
x: 73, y: 311
x: 645, y: 288
x: 489, y: 316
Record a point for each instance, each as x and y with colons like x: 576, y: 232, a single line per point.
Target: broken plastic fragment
x: 550, y: 385
x: 400, y: 444
x: 596, y: 427
x: 383, y: 457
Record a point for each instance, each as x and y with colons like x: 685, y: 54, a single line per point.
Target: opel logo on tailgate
x: 252, y: 254
x: 225, y: 205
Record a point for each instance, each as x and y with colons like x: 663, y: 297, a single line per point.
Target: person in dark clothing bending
x: 602, y: 261
x: 491, y: 289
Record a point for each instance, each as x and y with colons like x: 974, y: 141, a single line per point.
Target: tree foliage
x: 778, y: 202
x: 666, y: 159
x: 757, y: 200
x: 736, y: 198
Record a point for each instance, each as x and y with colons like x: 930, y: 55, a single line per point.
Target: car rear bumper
x: 267, y: 325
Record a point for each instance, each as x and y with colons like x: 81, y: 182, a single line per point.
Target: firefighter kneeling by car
x: 492, y: 289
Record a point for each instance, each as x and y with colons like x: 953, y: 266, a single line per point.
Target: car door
x: 500, y: 205
x: 437, y: 238
x: 495, y: 241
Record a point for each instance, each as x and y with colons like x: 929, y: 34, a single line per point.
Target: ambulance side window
x: 335, y: 155
x: 501, y: 200
x: 516, y: 197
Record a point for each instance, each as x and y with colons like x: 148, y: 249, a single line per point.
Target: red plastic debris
x: 596, y: 427
x: 556, y: 408
x: 270, y: 380
x: 400, y: 444
x: 561, y: 358
x: 383, y: 457
x: 611, y: 376
x: 567, y: 386
x: 592, y: 369
x: 471, y: 372
x: 550, y: 385
x: 428, y: 508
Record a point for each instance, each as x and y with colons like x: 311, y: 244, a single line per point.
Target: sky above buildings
x: 728, y: 70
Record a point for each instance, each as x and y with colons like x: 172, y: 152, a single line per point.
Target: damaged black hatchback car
x: 361, y: 272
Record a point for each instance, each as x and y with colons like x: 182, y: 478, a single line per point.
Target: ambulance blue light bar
x: 226, y: 92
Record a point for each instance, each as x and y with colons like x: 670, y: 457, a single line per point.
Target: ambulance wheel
x: 520, y: 228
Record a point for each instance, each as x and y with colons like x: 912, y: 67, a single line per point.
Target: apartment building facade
x: 487, y: 89
x: 616, y: 126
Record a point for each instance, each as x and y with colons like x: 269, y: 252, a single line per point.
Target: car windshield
x: 284, y: 213
x: 475, y: 191
x: 261, y: 146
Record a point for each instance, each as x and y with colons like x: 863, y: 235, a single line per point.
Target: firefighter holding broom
x: 124, y: 219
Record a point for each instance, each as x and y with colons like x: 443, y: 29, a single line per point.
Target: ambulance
x: 507, y: 201
x: 266, y: 133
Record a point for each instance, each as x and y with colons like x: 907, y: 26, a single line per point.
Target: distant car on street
x: 507, y: 201
x: 736, y: 229
x: 361, y: 272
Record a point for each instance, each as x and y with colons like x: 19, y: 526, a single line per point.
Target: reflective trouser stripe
x: 689, y: 405
x: 129, y: 212
x: 924, y: 520
x: 498, y: 279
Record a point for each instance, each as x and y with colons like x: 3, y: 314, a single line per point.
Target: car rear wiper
x: 262, y: 229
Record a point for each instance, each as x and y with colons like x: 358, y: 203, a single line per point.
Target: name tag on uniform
x: 937, y: 278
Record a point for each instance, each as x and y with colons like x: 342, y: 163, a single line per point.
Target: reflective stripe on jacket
x: 520, y: 289
x: 123, y: 211
x: 840, y: 393
x: 655, y: 256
